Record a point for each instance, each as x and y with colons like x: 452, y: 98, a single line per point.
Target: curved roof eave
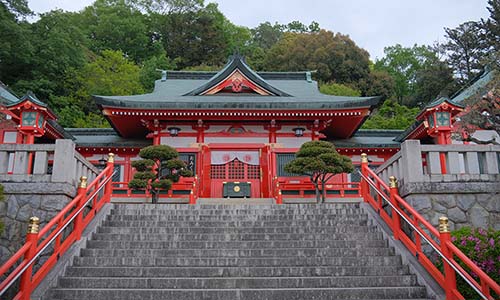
x: 242, y: 103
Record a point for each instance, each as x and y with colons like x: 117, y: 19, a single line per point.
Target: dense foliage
x: 159, y: 167
x: 114, y: 47
x: 392, y: 115
x: 483, y: 248
x: 320, y: 161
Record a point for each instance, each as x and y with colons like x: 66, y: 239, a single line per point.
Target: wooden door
x: 234, y: 171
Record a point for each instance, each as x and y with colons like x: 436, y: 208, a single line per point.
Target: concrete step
x: 340, y: 228
x: 238, y: 210
x: 231, y: 207
x: 236, y: 201
x: 233, y: 244
x: 291, y: 252
x: 242, y: 218
x: 288, y: 271
x: 235, y: 236
x: 242, y: 294
x: 372, y: 261
x: 300, y: 223
x: 236, y: 282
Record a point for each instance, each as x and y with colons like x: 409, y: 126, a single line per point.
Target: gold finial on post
x: 33, y: 225
x: 83, y: 182
x: 393, y: 182
x: 111, y: 157
x: 443, y: 225
x: 364, y: 157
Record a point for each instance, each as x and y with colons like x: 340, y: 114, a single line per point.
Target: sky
x: 372, y: 24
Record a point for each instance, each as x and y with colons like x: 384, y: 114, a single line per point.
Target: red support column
x: 30, y: 139
x: 156, y: 138
x: 82, y: 193
x: 364, y: 185
x: 26, y: 286
x: 396, y: 220
x: 108, y: 190
x: 443, y: 140
x: 450, y: 281
x: 200, y: 132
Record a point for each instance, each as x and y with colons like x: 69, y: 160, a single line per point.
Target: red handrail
x: 91, y: 197
x: 424, y: 230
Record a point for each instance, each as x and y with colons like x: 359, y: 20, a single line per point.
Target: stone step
x: 235, y: 236
x: 236, y: 282
x: 341, y: 228
x: 242, y: 294
x: 236, y: 201
x: 238, y: 212
x: 252, y: 218
x: 233, y: 244
x: 231, y: 207
x: 288, y: 271
x: 372, y: 261
x: 292, y: 252
x: 300, y: 223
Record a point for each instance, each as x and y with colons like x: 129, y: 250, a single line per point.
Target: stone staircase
x: 236, y: 252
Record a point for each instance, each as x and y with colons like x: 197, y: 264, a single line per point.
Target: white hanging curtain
x: 223, y: 157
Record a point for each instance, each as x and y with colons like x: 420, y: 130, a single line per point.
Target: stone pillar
x: 411, y: 161
x: 64, y: 169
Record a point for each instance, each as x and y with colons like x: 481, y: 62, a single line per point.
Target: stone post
x: 411, y: 161
x: 64, y: 169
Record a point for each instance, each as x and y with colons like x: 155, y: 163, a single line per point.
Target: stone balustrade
x: 32, y: 163
x: 468, y: 191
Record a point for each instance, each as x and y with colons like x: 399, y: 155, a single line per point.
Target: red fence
x: 61, y: 232
x: 409, y: 227
x: 187, y: 189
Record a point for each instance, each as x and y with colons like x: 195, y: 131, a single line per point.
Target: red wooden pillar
x: 450, y: 282
x: 156, y: 138
x: 200, y: 132
x: 82, y: 193
x: 396, y: 220
x: 205, y: 171
x: 108, y: 189
x: 30, y: 139
x: 364, y: 185
x: 26, y: 286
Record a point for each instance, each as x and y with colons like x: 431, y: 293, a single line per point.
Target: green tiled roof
x: 370, y: 138
x: 104, y: 137
x: 291, y: 90
x: 6, y: 96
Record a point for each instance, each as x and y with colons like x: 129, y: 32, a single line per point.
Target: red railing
x: 397, y: 213
x: 283, y: 190
x: 187, y: 189
x: 58, y: 232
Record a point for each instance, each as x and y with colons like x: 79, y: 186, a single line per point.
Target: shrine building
x: 235, y: 126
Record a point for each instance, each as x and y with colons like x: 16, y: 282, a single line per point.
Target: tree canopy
x: 320, y: 161
x: 159, y: 167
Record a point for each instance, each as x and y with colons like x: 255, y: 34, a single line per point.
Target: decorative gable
x: 236, y: 83
x: 237, y: 78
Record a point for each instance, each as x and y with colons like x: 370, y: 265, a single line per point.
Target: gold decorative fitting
x: 364, y: 158
x: 33, y: 225
x: 393, y: 182
x: 83, y: 182
x: 111, y: 157
x: 443, y: 225
x: 236, y: 189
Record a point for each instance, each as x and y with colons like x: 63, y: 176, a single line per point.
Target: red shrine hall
x: 236, y: 129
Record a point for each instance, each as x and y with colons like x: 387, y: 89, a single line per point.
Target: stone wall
x: 24, y: 200
x: 474, y: 204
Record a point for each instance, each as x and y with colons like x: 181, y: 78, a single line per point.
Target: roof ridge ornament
x: 163, y: 74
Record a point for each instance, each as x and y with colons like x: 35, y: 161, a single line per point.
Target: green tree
x: 320, y: 161
x: 391, y: 115
x: 403, y: 64
x: 150, y: 70
x: 339, y: 90
x: 265, y: 35
x: 157, y: 170
x: 465, y: 48
x: 118, y: 25
x: 491, y: 26
x: 15, y: 35
x: 335, y: 56
x: 378, y: 83
x: 111, y: 73
x: 19, y: 8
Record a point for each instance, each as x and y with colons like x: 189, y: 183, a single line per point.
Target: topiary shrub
x: 483, y: 248
x: 157, y: 170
